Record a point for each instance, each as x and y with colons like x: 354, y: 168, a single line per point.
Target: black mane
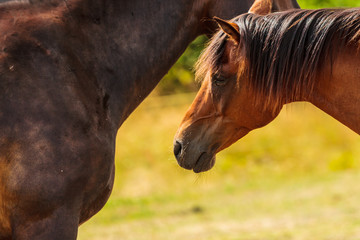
x: 285, y: 50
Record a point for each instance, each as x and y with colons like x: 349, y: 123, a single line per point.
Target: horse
x: 71, y: 72
x: 254, y: 65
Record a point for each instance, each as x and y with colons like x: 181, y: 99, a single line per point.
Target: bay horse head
x: 224, y: 109
x: 256, y: 64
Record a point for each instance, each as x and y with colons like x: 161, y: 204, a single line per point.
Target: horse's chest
x: 100, y: 179
x: 45, y: 173
x: 97, y: 196
x: 5, y: 226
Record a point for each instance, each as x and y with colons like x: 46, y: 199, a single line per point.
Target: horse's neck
x: 338, y: 89
x: 137, y: 42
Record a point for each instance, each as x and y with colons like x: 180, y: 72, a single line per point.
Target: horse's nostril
x: 177, y: 149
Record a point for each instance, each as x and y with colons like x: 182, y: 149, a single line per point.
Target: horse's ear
x: 231, y: 29
x: 261, y: 7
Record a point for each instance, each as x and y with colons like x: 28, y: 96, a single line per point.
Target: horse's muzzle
x: 198, y: 161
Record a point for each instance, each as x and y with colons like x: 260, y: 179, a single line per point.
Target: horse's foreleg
x: 61, y: 224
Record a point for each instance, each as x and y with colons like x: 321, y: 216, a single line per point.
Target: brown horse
x: 256, y: 64
x: 71, y: 72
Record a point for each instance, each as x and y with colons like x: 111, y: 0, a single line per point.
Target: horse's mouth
x: 192, y: 159
x: 204, y: 163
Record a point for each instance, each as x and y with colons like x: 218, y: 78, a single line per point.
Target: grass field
x: 296, y: 178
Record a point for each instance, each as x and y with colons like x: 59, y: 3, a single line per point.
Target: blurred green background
x: 296, y: 178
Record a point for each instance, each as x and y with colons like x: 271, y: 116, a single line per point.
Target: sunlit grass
x: 293, y: 179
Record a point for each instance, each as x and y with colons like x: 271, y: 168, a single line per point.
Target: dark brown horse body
x: 256, y: 64
x: 71, y: 71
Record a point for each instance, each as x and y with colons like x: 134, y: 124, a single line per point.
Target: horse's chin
x: 204, y: 163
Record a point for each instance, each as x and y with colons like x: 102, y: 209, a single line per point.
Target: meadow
x: 295, y: 179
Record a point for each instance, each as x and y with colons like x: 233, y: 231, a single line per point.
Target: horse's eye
x: 219, y: 80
